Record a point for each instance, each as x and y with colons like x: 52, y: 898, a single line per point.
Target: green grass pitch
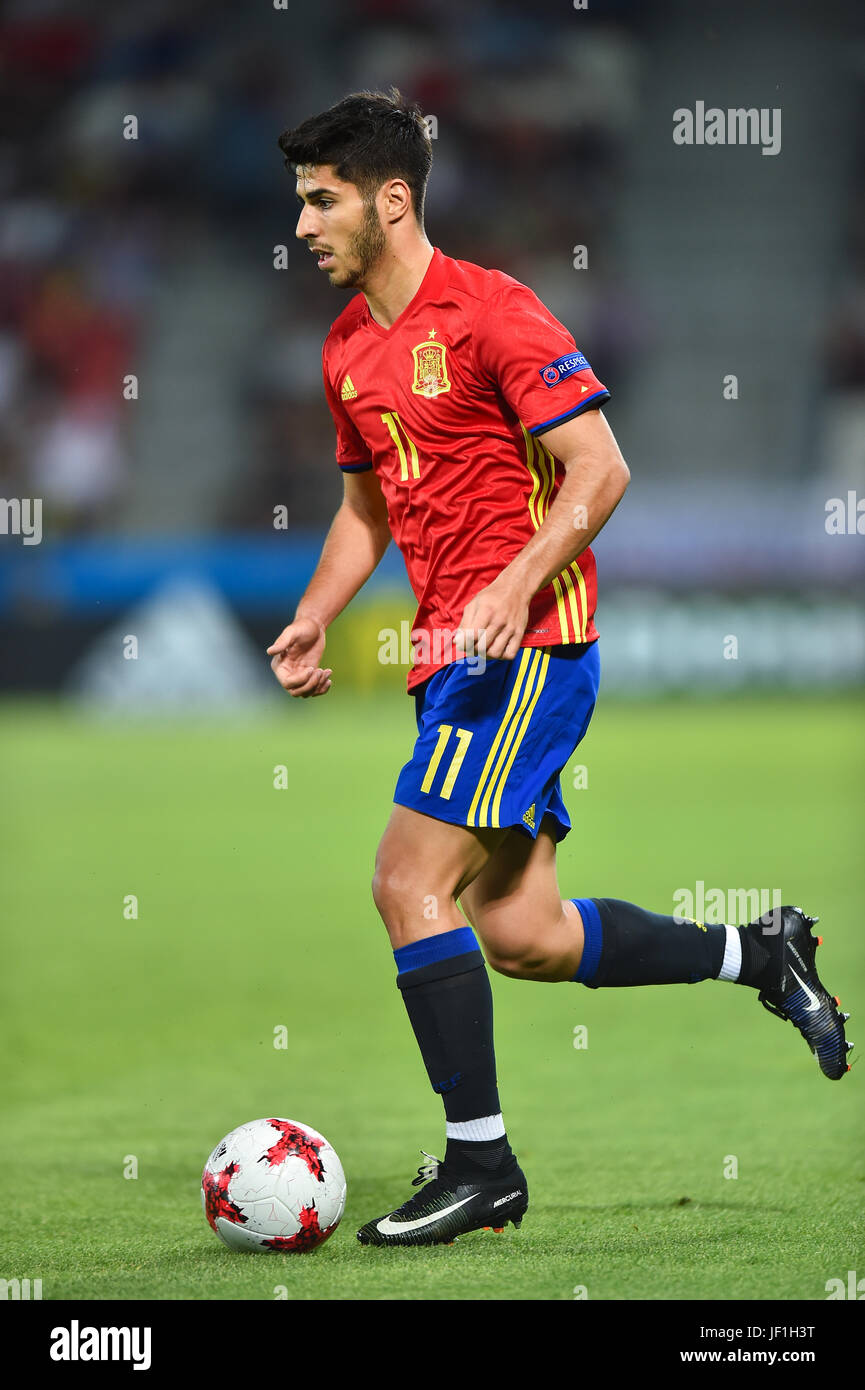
x: 151, y: 1037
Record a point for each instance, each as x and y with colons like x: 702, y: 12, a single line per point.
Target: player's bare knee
x: 386, y: 863
x: 387, y: 894
x: 395, y: 891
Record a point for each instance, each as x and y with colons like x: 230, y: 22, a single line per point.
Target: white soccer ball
x: 273, y: 1185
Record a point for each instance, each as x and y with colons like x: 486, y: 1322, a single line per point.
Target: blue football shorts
x: 492, y: 741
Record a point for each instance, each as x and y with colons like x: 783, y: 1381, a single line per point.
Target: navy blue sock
x: 446, y: 991
x: 626, y: 945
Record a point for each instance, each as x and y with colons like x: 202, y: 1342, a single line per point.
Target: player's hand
x: 494, y: 622
x: 296, y: 655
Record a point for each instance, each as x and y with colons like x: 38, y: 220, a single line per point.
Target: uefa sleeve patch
x: 563, y: 367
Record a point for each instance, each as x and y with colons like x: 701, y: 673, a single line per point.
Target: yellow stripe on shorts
x: 509, y: 734
x: 539, y: 685
x: 515, y: 694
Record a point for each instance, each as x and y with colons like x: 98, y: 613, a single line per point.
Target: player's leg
x: 514, y: 904
x: 421, y: 866
x: 472, y: 722
x: 529, y: 933
x: 492, y: 739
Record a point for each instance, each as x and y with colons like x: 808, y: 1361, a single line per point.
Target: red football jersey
x: 449, y: 406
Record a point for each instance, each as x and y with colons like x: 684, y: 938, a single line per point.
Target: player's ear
x: 394, y: 200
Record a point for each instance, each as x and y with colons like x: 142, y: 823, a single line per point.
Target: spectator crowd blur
x: 531, y: 107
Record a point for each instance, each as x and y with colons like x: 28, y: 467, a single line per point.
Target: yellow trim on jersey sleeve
x: 584, y: 598
x: 536, y: 479
x: 572, y: 602
x: 560, y: 604
x: 542, y: 468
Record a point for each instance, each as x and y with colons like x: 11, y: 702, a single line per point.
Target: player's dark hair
x: 368, y: 137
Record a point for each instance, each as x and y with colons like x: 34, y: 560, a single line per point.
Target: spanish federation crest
x: 430, y: 369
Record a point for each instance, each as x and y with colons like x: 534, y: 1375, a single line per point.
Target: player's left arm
x: 596, y: 476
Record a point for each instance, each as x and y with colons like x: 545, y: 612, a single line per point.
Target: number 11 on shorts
x: 464, y: 738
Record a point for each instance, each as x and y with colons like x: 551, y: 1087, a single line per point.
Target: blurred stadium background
x: 154, y: 257
x: 165, y: 909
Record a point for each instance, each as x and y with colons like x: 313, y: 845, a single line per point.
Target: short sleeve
x: 352, y: 454
x: 534, y: 361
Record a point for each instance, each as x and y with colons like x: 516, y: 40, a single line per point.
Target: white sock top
x: 732, y: 963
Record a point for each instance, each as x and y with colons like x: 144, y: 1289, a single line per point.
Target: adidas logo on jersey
x: 348, y: 391
x: 529, y: 816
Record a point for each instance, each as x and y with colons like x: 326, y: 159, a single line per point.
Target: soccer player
x: 469, y: 428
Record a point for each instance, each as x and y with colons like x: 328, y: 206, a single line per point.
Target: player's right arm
x: 357, y: 539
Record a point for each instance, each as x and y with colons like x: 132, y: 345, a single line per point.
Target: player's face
x: 345, y: 232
